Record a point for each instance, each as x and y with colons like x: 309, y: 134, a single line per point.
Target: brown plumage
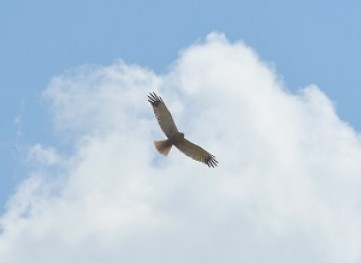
x: 174, y: 137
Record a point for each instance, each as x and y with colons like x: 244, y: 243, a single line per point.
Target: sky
x: 269, y: 87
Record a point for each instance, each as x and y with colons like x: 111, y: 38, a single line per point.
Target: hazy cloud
x: 287, y: 188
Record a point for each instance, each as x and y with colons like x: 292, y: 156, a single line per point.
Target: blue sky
x: 307, y: 42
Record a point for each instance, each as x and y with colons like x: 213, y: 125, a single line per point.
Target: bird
x: 174, y: 137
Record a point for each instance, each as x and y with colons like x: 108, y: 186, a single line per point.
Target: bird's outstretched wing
x: 196, y: 152
x: 163, y: 115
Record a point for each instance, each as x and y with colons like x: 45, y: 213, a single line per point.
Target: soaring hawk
x: 174, y: 137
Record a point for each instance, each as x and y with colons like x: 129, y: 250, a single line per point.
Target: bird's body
x: 174, y: 137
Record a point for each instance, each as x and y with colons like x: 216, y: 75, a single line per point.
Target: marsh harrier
x: 174, y: 137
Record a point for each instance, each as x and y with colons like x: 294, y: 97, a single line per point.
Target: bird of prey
x: 174, y: 137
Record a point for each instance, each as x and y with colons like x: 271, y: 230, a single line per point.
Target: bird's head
x: 181, y: 135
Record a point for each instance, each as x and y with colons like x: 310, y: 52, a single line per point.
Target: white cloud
x: 40, y: 155
x: 286, y: 189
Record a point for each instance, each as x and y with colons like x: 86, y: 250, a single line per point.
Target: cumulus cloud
x: 286, y: 189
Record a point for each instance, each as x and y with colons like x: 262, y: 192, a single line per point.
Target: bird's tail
x: 163, y: 146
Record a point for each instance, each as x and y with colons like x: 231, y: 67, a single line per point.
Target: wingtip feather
x: 153, y: 98
x: 211, y: 161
